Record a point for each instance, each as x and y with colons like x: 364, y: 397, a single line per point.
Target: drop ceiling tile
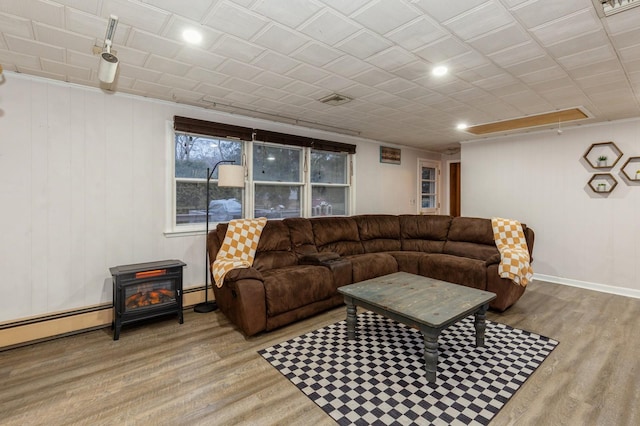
x: 568, y: 27
x: 177, y: 25
x: 65, y: 69
x: 495, y: 82
x: 198, y: 57
x: 215, y: 91
x: 166, y: 65
x: 40, y: 73
x: 16, y: 26
x: 152, y: 88
x: 318, y: 26
x: 416, y: 33
x: 579, y: 44
x: 82, y: 59
x: 196, y: 10
x: 594, y: 69
x: 535, y: 13
x: 480, y: 20
x: 414, y: 70
x: 275, y: 62
x: 542, y: 75
x: 516, y: 54
x: 136, y: 14
x: 241, y: 70
x: 536, y: 64
x: 242, y: 98
x: 130, y: 56
x: 413, y: 94
x: 630, y: 53
x: 384, y: 16
x: 138, y: 73
x: 364, y: 44
x: 301, y: 88
x: 295, y: 100
x: 280, y: 39
x: 147, y: 42
x: 391, y: 59
x: 316, y: 54
x: 588, y: 57
x: 35, y: 48
x: 233, y: 47
x: 347, y: 66
x: 499, y: 39
x: 396, y: 85
x: 372, y: 77
x: 346, y: 7
x: 443, y: 10
x: 240, y: 85
x: 178, y: 82
x: 184, y: 96
x: 236, y: 20
x: 92, y: 26
x: 556, y: 84
x: 58, y: 37
x: 271, y: 79
x: 270, y: 93
x: 37, y: 10
x: 307, y: 73
x: 468, y: 60
x: 357, y: 91
x: 335, y: 83
x: 626, y: 39
x: 205, y: 75
x: 632, y: 66
x: 291, y: 13
x: 616, y: 76
x: 442, y: 49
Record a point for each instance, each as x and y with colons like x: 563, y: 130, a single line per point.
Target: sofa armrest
x: 493, y: 259
x: 318, y: 258
x: 243, y: 274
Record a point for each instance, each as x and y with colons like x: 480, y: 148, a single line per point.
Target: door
x: 428, y: 187
x: 454, y: 189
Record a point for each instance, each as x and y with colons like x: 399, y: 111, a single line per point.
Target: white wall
x: 582, y: 238
x: 83, y: 188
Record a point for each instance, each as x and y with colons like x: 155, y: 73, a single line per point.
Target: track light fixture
x: 108, y: 62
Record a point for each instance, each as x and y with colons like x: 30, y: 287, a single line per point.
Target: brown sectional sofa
x: 300, y: 263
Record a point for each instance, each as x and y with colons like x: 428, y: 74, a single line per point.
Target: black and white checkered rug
x: 379, y: 379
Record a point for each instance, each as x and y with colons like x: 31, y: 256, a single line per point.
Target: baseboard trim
x: 603, y: 288
x: 53, y: 326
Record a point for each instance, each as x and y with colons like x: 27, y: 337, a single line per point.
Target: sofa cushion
x: 425, y: 233
x: 471, y: 230
x: 371, y: 265
x: 337, y: 234
x: 472, y: 250
x: 301, y: 233
x: 379, y: 232
x: 408, y: 261
x: 274, y: 248
x: 454, y: 269
x: 291, y: 287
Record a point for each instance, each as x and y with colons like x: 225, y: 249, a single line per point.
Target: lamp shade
x: 231, y: 175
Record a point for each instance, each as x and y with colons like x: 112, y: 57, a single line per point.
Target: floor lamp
x: 230, y: 176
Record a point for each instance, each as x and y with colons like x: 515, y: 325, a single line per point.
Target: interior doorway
x: 454, y: 188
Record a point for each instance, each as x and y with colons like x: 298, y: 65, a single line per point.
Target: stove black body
x: 146, y: 290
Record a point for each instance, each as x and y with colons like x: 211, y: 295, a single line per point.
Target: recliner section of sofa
x: 300, y: 263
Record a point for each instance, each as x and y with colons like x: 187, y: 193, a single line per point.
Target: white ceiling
x: 275, y: 58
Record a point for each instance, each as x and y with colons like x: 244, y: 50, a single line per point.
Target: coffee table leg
x: 430, y: 353
x: 352, y: 319
x: 480, y: 324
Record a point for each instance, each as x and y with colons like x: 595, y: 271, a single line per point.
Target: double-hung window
x: 277, y: 179
x: 195, y: 154
x: 329, y: 175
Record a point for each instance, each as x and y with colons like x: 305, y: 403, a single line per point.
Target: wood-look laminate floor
x: 205, y: 371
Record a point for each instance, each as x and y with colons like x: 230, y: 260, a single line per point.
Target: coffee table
x: 424, y: 303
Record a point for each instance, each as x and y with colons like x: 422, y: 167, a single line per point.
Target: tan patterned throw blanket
x: 514, y: 256
x: 238, y: 248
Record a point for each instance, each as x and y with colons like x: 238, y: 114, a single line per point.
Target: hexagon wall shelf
x: 631, y: 169
x: 602, y: 183
x: 607, y: 149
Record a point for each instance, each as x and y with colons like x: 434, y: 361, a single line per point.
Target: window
x: 428, y: 184
x: 193, y: 155
x: 277, y: 176
x: 288, y: 175
x: 329, y: 183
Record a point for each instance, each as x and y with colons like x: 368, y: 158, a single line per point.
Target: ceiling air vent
x: 614, y: 6
x: 335, y: 99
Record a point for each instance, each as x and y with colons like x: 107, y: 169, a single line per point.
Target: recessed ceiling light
x: 461, y: 126
x: 192, y: 36
x: 439, y: 71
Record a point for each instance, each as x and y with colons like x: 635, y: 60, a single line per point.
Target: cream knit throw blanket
x: 514, y: 256
x: 238, y: 248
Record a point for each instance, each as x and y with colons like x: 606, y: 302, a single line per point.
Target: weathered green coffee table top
x: 421, y: 299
